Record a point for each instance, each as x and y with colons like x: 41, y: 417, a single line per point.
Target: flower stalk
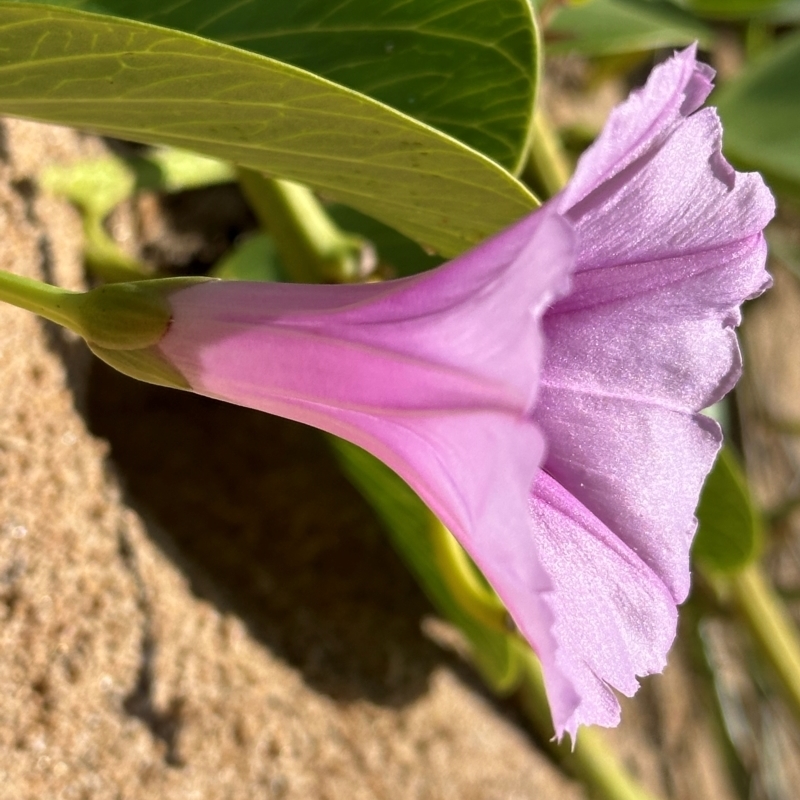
x: 461, y: 578
x: 312, y: 246
x: 548, y: 166
x: 770, y: 625
x: 122, y: 322
x: 105, y: 258
x: 50, y: 302
x: 123, y: 316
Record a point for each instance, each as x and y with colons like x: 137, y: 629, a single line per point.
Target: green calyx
x: 121, y: 322
x: 145, y: 365
x: 125, y: 316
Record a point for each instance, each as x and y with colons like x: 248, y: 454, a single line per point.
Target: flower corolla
x: 541, y: 393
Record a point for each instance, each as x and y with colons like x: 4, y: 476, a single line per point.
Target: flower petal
x: 614, y: 619
x: 682, y: 200
x: 674, y: 90
x: 619, y: 395
x: 671, y: 245
x: 465, y: 333
x: 645, y: 340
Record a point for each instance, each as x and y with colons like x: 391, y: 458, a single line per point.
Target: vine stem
x: 50, y: 302
x: 312, y: 246
x: 548, y: 166
x: 770, y: 625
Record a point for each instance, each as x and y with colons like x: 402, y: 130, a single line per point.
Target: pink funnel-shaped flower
x: 448, y: 378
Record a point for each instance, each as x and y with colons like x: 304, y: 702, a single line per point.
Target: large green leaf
x: 155, y: 85
x: 729, y: 532
x: 467, y: 67
x: 609, y: 27
x: 760, y: 111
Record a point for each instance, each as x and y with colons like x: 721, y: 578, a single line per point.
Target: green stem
x: 50, y: 302
x: 771, y: 626
x: 461, y: 578
x: 590, y: 760
x: 119, y: 316
x: 104, y: 257
x: 311, y: 246
x: 548, y: 167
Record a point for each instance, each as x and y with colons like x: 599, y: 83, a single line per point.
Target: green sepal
x: 125, y: 316
x: 119, y: 316
x: 146, y: 365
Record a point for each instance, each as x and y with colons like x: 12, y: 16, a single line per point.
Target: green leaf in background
x: 785, y: 13
x: 255, y: 258
x: 149, y: 84
x: 408, y: 521
x: 97, y: 185
x: 760, y: 112
x: 734, y: 9
x: 466, y: 67
x: 729, y: 534
x: 611, y: 27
